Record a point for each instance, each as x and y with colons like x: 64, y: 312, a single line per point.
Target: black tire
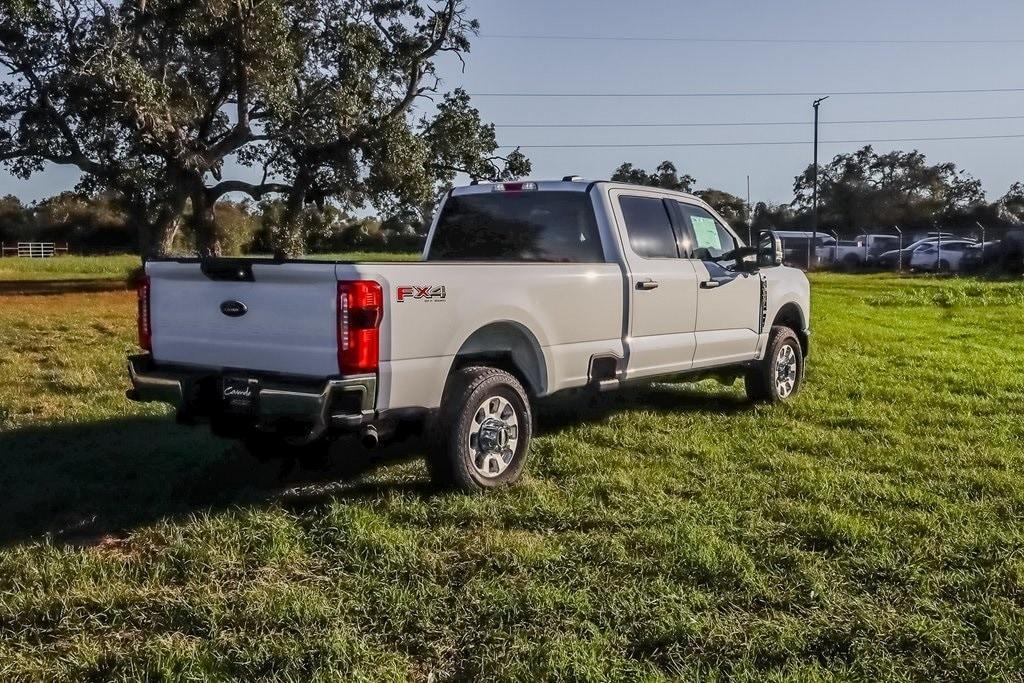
x: 452, y: 461
x: 851, y: 262
x: 761, y: 379
x: 944, y: 266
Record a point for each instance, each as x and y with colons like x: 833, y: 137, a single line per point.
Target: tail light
x: 360, y: 311
x: 145, y: 325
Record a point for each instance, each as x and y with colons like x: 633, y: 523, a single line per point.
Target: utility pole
x: 812, y: 246
x: 899, y: 251
x: 750, y: 217
x: 978, y: 223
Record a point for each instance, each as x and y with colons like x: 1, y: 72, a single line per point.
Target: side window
x: 712, y: 240
x: 648, y: 226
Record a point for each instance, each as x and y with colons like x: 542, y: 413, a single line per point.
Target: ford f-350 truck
x: 524, y: 290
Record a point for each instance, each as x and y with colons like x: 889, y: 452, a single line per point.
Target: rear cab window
x: 533, y: 226
x: 648, y: 226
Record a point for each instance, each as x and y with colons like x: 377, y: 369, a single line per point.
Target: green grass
x: 69, y: 267
x: 871, y: 529
x: 119, y: 267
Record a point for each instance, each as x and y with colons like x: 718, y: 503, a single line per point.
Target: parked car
x: 891, y: 260
x: 979, y: 257
x: 526, y: 289
x: 939, y: 256
x: 857, y: 253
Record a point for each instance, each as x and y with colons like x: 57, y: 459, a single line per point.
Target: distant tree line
x: 97, y: 224
x: 860, y: 191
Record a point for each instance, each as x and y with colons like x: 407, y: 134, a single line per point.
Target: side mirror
x: 748, y: 260
x: 769, y: 249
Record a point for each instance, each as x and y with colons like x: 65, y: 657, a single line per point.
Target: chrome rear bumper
x: 344, y: 402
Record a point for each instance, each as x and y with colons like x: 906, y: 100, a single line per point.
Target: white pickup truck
x: 524, y: 289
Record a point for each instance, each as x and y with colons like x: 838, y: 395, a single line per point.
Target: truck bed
x: 431, y: 309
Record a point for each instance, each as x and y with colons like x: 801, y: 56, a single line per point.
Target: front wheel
x: 482, y: 434
x: 780, y: 374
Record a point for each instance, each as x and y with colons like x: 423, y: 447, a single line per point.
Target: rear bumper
x: 343, y: 403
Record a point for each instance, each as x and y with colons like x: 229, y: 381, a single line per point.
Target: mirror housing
x: 747, y: 259
x: 769, y: 249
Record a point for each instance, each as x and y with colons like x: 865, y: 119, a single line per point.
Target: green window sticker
x: 706, y: 232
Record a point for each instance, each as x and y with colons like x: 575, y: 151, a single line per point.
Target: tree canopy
x: 666, y: 175
x: 858, y: 191
x: 863, y: 190
x: 172, y: 104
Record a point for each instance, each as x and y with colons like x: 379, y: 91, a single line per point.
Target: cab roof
x: 578, y: 184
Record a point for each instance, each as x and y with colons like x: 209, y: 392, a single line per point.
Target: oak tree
x: 172, y: 104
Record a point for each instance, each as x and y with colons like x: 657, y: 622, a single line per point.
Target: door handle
x: 647, y: 284
x: 709, y: 284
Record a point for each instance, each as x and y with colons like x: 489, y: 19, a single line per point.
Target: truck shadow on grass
x: 79, y: 483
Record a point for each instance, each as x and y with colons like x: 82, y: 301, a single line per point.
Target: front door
x: 728, y: 301
x: 662, y: 287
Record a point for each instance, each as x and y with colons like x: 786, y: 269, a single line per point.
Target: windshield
x: 517, y: 226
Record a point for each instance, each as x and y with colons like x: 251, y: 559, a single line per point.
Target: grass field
x: 871, y: 529
x: 121, y: 266
x: 69, y: 267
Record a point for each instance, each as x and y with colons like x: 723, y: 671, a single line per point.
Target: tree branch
x: 255, y: 191
x: 443, y: 20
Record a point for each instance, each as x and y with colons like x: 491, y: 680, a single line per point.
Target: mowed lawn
x: 122, y: 266
x: 70, y: 267
x: 871, y: 529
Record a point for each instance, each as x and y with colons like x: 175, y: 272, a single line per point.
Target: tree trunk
x: 157, y: 240
x: 289, y: 242
x: 156, y: 233
x: 203, y: 222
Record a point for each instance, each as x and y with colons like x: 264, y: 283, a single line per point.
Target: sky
x: 502, y: 61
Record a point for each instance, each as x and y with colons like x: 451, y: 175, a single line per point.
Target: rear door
x: 262, y: 316
x: 728, y: 301
x: 663, y: 287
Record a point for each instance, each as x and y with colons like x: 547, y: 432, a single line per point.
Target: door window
x: 711, y: 240
x: 648, y: 227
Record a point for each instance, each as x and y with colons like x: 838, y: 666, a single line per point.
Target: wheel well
x: 792, y: 317
x: 511, y: 347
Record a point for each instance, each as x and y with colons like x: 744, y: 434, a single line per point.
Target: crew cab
x: 524, y: 290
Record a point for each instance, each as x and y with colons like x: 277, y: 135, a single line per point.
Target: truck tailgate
x: 288, y: 324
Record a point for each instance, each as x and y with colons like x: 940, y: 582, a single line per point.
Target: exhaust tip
x: 369, y: 437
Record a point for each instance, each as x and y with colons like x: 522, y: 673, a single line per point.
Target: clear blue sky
x: 521, y: 65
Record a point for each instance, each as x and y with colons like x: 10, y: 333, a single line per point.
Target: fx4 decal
x: 428, y: 293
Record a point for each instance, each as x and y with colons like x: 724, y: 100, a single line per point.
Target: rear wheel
x: 781, y: 373
x: 482, y: 434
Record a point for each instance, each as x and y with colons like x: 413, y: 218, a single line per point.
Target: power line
x: 750, y: 123
x: 965, y: 91
x: 757, y: 143
x: 782, y: 41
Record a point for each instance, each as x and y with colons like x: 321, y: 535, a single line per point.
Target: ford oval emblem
x: 233, y: 309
